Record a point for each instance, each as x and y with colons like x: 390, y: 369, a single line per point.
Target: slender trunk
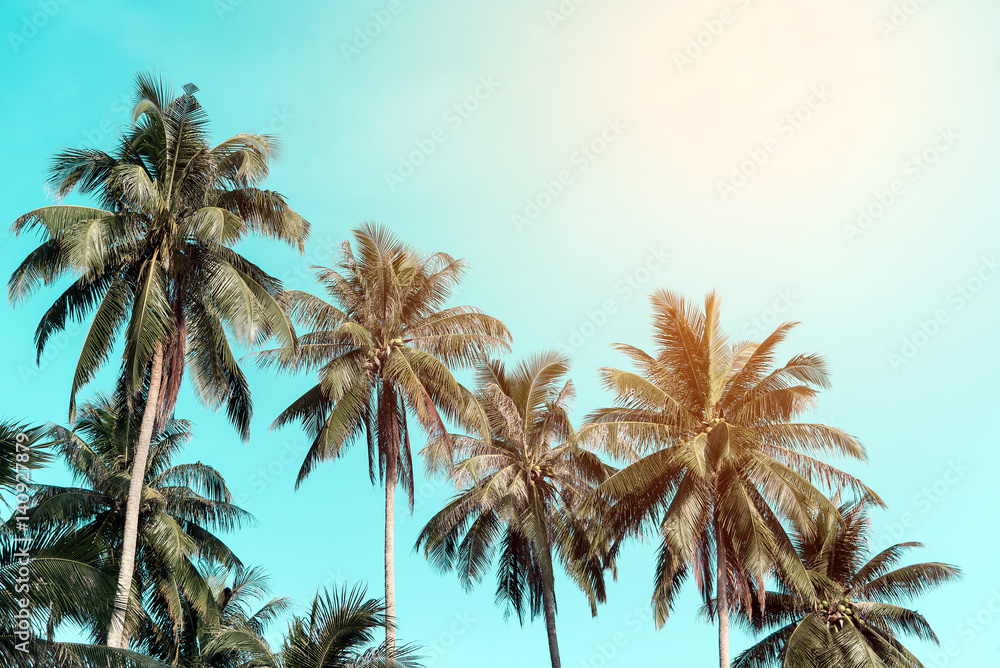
x: 116, y: 636
x: 548, y: 586
x: 390, y: 576
x: 722, y: 596
x: 549, y: 605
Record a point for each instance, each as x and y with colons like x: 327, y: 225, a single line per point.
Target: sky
x: 832, y: 164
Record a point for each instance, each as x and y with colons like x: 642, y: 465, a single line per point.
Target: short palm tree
x: 383, y: 346
x: 339, y: 632
x: 156, y: 259
x: 181, y: 505
x: 855, y: 616
x: 230, y: 633
x: 527, y: 485
x: 717, y: 463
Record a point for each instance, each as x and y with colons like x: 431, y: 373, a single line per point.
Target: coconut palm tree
x: 716, y: 461
x: 58, y: 572
x: 156, y: 258
x: 383, y: 347
x: 339, y: 632
x: 527, y: 484
x: 855, y: 617
x: 181, y: 506
x: 230, y: 634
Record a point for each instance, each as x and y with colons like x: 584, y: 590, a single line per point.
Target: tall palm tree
x: 156, y: 257
x: 717, y: 462
x: 855, y: 616
x: 181, y: 505
x: 527, y: 484
x: 383, y: 347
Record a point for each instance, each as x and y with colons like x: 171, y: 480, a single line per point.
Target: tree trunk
x: 549, y: 604
x: 548, y: 589
x: 722, y: 595
x: 116, y: 636
x: 390, y: 576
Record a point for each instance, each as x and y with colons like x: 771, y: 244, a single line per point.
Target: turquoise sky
x: 834, y: 165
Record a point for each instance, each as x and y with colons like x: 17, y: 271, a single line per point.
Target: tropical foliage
x: 383, y: 348
x: 528, y: 484
x: 719, y: 467
x: 703, y: 448
x: 156, y: 258
x: 182, y: 506
x: 854, y: 617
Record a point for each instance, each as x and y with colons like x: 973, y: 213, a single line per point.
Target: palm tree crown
x: 527, y: 486
x: 855, y: 616
x: 181, y: 506
x: 718, y: 464
x: 156, y: 258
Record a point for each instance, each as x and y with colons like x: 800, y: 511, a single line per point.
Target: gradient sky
x: 829, y: 163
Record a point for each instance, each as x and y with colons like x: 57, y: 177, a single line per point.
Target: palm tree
x: 52, y: 568
x: 231, y: 632
x: 717, y: 462
x: 66, y: 579
x: 181, y: 506
x: 156, y: 257
x: 527, y: 484
x: 339, y: 632
x: 855, y: 616
x: 383, y: 347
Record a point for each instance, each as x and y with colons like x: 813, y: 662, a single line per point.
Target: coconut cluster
x: 837, y: 612
x: 376, y: 356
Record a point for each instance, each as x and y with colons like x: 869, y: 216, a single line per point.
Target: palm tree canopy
x: 230, y: 633
x: 857, y: 614
x: 154, y: 259
x: 182, y: 506
x: 526, y: 485
x: 339, y: 632
x: 383, y: 346
x: 707, y: 425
